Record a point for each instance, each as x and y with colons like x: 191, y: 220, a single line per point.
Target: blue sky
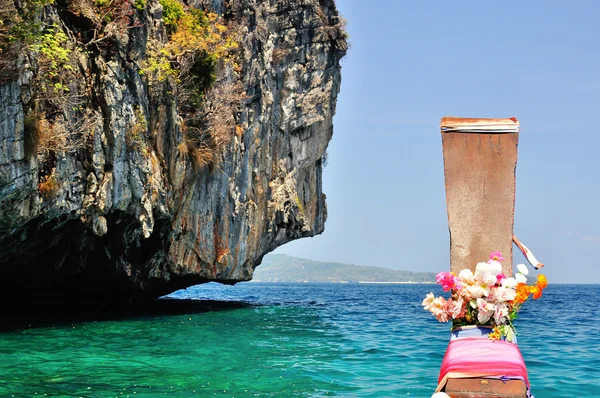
x: 410, y: 63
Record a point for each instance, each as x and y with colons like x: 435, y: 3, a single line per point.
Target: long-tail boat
x: 480, y: 158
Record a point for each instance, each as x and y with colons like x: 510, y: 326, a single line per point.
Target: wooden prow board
x: 480, y: 158
x: 485, y: 388
x: 479, y: 171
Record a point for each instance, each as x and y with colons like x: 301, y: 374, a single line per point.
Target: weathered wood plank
x: 485, y: 388
x: 479, y: 172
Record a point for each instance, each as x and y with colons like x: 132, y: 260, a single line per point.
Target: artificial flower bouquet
x: 484, y: 298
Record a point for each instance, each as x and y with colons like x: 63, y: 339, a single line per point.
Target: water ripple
x: 271, y: 340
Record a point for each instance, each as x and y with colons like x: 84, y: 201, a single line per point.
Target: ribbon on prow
x: 528, y: 254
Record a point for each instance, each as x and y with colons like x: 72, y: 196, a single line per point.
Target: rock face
x: 108, y: 222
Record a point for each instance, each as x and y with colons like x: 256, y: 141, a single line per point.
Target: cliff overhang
x: 107, y: 196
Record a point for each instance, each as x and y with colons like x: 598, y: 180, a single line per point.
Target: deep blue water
x: 283, y: 340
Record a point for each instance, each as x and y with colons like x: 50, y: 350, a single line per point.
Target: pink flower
x: 447, y: 280
x: 496, y: 256
x: 464, y: 293
x: 441, y: 314
x: 485, y: 310
x: 456, y: 308
x: 500, y: 314
x: 438, y: 306
x: 499, y: 278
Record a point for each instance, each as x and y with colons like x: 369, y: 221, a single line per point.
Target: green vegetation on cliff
x: 192, y: 57
x: 282, y: 268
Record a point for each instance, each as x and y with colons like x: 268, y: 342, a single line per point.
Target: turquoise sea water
x: 288, y: 340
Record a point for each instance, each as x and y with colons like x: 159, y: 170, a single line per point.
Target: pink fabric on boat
x: 481, y: 357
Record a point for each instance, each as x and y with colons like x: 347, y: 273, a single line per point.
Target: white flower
x: 486, y: 289
x: 484, y: 274
x: 475, y: 291
x: 521, y: 278
x: 509, y: 332
x: 495, y: 294
x: 428, y: 302
x: 495, y: 268
x: 509, y: 282
x: 523, y: 269
x: 466, y: 276
x: 510, y: 295
x: 484, y: 316
x: 504, y: 294
x: 481, y: 268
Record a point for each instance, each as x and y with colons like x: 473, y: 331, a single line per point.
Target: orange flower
x: 523, y: 292
x: 537, y: 292
x: 495, y: 335
x: 542, y: 281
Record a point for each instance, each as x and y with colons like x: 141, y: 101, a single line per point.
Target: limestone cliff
x: 100, y: 200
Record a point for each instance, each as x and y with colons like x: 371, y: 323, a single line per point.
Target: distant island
x: 283, y: 268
